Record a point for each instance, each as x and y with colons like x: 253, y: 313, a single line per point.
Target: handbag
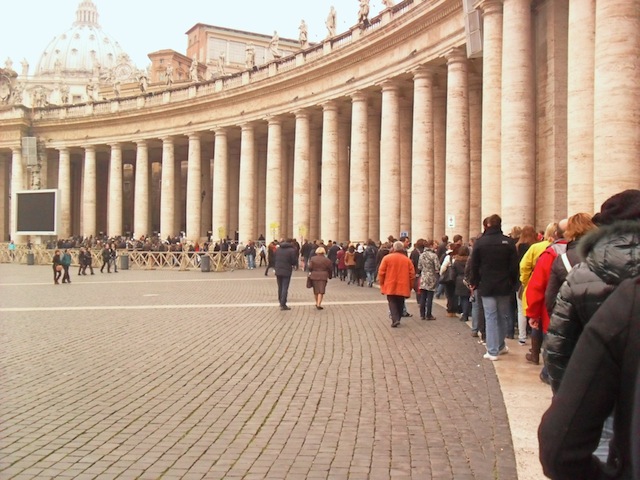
x: 309, y: 282
x: 449, y: 276
x: 58, y: 268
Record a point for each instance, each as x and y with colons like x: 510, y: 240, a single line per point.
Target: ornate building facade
x: 386, y: 128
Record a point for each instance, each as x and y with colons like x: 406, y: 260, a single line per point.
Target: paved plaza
x: 168, y: 374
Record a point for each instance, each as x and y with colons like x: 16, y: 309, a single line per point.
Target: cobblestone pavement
x: 154, y: 374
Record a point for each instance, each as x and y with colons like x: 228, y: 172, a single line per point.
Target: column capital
x: 274, y: 119
x: 359, y: 96
x: 89, y: 148
x: 389, y: 85
x: 301, y: 113
x: 247, y: 126
x: 115, y: 145
x: 141, y: 143
x: 330, y: 105
x: 167, y: 139
x: 64, y: 149
x: 456, y: 55
x: 194, y: 135
x: 490, y: 7
x: 424, y: 71
x: 219, y: 132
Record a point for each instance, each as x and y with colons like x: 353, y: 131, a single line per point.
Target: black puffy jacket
x: 611, y: 255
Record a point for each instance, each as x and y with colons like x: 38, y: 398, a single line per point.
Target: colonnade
x: 530, y: 131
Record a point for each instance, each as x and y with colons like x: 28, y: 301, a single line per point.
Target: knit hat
x: 622, y: 206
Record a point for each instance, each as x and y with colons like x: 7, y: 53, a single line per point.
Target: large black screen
x: 36, y: 211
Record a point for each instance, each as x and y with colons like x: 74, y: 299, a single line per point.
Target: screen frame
x: 56, y: 211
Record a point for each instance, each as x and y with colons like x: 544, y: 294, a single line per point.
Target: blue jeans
x: 426, y: 303
x: 476, y: 307
x: 463, y: 300
x: 283, y: 289
x: 251, y: 261
x: 497, y: 312
x: 370, y: 274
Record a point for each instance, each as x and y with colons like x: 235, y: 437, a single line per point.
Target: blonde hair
x: 578, y: 225
x: 320, y: 251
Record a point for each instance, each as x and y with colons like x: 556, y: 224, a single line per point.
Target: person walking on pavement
x: 320, y: 271
x: 57, y: 267
x: 106, y: 259
x: 66, y: 263
x: 271, y: 251
x: 396, y: 275
x: 286, y: 259
x: 494, y: 272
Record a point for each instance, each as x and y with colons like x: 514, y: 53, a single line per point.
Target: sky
x: 145, y: 26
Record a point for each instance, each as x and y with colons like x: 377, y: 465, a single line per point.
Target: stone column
x: 359, y: 191
x: 262, y: 189
x: 64, y: 185
x: 89, y: 192
x: 168, y: 190
x: 194, y: 188
x: 389, y: 161
x: 439, y: 156
x: 617, y: 98
x: 141, y: 201
x: 273, y: 207
x: 114, y: 211
x: 580, y: 91
x: 329, y: 173
x: 314, y: 180
x: 491, y: 198
x: 301, y: 200
x: 220, y: 209
x: 518, y: 119
x: 344, y: 135
x: 234, y: 189
x: 406, y: 133
x: 374, y: 171
x: 422, y: 165
x: 5, y: 213
x: 458, y: 168
x: 475, y: 156
x: 17, y: 184
x: 248, y: 184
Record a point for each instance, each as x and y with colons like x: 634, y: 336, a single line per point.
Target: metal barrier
x: 136, y: 259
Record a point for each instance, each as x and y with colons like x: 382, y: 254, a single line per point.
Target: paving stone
x: 194, y: 375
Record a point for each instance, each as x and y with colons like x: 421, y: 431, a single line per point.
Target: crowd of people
x: 569, y: 292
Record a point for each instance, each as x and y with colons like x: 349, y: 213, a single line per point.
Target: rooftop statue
x: 193, y: 71
x: 221, y: 61
x: 169, y: 75
x: 250, y: 56
x: 274, y: 45
x: 304, y: 34
x: 363, y: 13
x: 331, y: 22
x: 387, y: 3
x: 25, y: 67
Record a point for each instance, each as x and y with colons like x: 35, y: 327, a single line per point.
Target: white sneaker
x: 493, y: 358
x: 504, y: 351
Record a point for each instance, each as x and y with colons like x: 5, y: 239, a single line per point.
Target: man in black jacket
x: 494, y: 272
x: 286, y: 258
x: 598, y: 381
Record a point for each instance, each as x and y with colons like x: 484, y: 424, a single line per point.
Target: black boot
x: 536, y: 345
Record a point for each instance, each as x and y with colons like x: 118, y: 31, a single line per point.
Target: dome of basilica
x: 85, y: 50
